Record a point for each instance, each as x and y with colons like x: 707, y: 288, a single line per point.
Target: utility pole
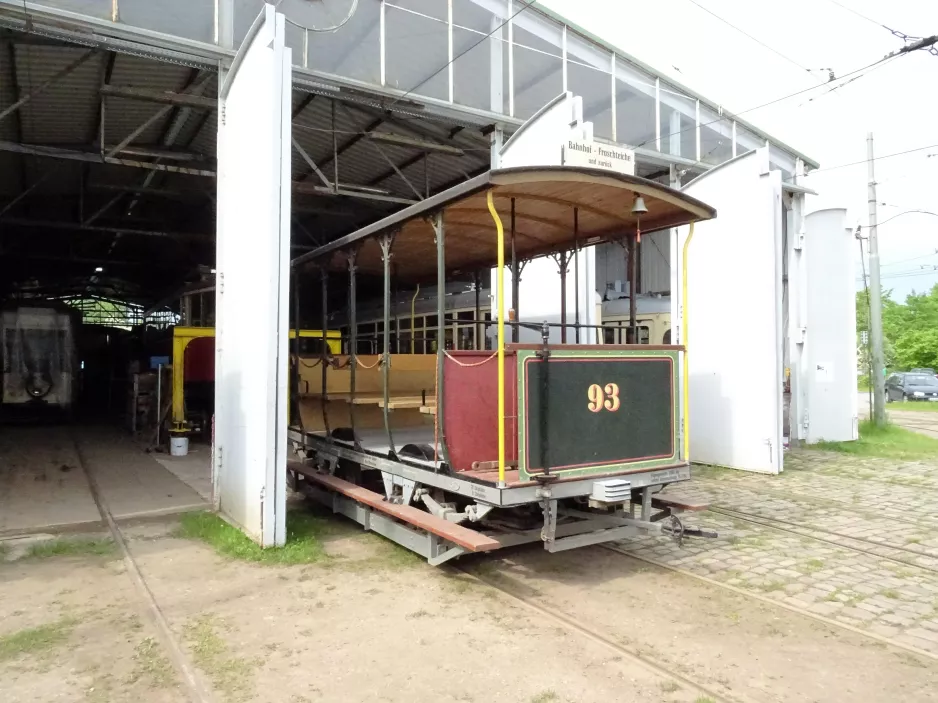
x: 876, y: 302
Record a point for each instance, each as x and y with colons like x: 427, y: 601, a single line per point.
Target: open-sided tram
x: 472, y: 450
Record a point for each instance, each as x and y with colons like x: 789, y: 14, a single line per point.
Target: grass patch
x: 891, y: 593
x: 704, y: 699
x: 230, y: 675
x: 771, y: 586
x: 305, y: 533
x: 545, y: 697
x: 890, y: 442
x: 670, y: 686
x: 150, y: 664
x: 78, y: 547
x: 35, y: 640
x: 813, y: 565
x: 714, y: 473
x: 914, y: 406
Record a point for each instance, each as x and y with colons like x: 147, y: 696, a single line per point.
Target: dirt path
x: 373, y: 623
x: 746, y: 649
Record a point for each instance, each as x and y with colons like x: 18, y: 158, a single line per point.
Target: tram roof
x: 545, y: 198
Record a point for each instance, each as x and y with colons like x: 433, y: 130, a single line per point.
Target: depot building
x: 162, y: 164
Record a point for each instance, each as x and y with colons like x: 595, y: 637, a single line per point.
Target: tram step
x: 678, y: 503
x: 451, y: 532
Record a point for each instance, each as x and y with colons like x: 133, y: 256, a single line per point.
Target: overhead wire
x: 858, y: 14
x: 733, y: 115
x: 747, y: 34
x: 876, y: 158
x: 913, y: 258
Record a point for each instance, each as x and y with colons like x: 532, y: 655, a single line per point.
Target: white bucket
x: 178, y: 446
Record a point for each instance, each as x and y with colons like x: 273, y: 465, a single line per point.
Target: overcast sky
x: 897, y: 101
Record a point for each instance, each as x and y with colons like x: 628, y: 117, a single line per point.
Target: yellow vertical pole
x: 500, y: 293
x: 684, y: 337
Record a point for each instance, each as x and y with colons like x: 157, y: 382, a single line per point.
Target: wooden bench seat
x: 462, y: 536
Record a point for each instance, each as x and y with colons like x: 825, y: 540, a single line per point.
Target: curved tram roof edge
x: 587, y: 189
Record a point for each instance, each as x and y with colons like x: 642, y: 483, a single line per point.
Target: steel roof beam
x: 15, y: 85
x: 298, y: 187
x: 166, y: 97
x: 158, y: 115
x: 404, y: 164
x: 348, y: 144
x: 13, y: 222
x: 45, y: 84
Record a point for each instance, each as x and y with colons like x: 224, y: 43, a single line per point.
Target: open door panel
x: 734, y: 330
x: 253, y: 246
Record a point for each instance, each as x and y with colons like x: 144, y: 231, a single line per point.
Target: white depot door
x: 253, y: 245
x: 734, y: 331
x: 830, y: 356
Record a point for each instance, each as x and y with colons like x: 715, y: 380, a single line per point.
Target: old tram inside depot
x: 472, y: 449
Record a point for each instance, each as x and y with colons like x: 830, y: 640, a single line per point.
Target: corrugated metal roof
x: 66, y: 111
x: 153, y: 209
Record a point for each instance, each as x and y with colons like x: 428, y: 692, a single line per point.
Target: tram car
x: 39, y: 358
x: 653, y: 320
x: 413, y: 325
x: 449, y: 450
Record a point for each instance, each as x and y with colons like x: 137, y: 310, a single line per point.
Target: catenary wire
x: 747, y: 34
x: 762, y: 105
x: 876, y: 158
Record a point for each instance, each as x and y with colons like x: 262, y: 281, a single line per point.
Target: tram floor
x: 760, y: 614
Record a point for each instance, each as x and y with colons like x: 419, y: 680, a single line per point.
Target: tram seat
x: 412, y: 384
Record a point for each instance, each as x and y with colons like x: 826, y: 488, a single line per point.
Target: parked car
x: 911, y: 386
x: 930, y: 372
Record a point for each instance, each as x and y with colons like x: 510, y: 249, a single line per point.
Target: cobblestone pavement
x: 852, y: 539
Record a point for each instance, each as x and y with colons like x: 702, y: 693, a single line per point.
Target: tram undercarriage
x: 467, y: 515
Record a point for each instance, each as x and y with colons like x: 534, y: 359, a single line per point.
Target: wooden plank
x: 679, y: 503
x: 415, y: 401
x: 450, y: 531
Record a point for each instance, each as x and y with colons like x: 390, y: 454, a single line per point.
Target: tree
x: 910, y: 330
x: 918, y: 348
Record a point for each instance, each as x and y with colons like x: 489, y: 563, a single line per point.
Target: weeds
x: 72, y: 548
x: 890, y: 441
x: 230, y: 675
x: 152, y: 665
x: 304, y: 538
x: 35, y: 640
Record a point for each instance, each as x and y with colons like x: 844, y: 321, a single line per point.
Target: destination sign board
x: 588, y: 154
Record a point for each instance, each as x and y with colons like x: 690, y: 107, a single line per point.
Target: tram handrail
x: 684, y: 336
x: 500, y: 292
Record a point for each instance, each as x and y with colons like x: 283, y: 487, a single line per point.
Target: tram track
x: 570, y: 623
x: 195, y: 690
x: 854, y: 509
x: 772, y: 602
x: 795, y: 529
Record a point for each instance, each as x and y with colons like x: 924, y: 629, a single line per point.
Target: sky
x: 897, y: 101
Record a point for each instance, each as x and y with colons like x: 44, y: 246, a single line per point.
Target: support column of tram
x: 386, y: 241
